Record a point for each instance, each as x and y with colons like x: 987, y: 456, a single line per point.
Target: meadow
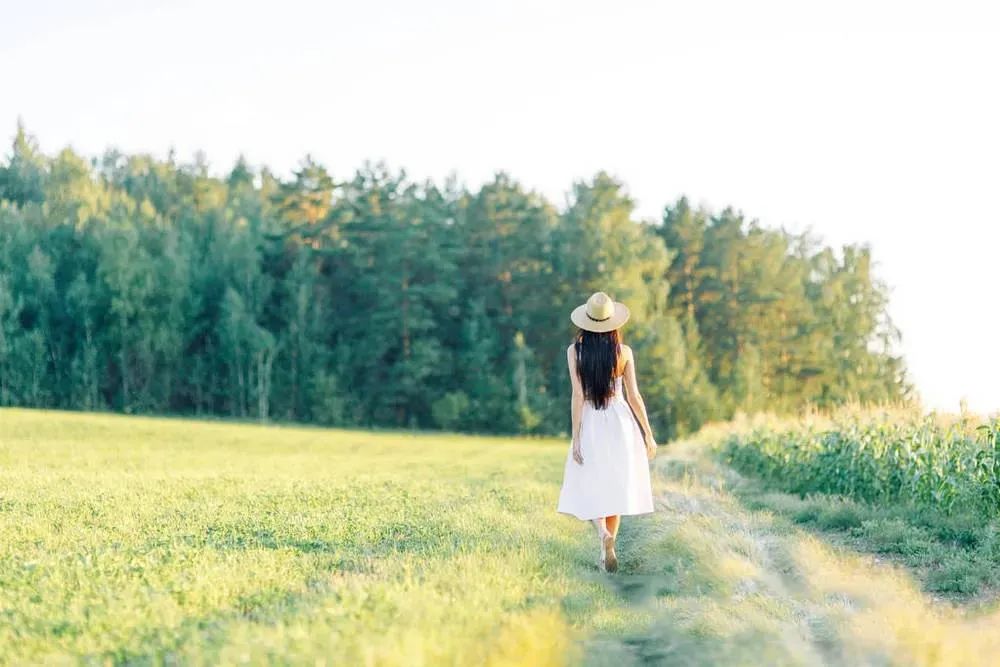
x: 135, y: 540
x: 128, y: 539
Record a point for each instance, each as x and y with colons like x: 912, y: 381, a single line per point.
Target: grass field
x: 154, y: 539
x: 127, y: 540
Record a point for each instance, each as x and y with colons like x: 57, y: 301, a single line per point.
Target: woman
x: 607, y: 471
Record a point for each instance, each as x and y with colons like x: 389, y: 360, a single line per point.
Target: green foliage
x: 780, y: 320
x: 880, y: 459
x: 451, y: 410
x: 140, y: 285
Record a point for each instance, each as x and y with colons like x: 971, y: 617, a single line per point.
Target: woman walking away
x: 607, y: 468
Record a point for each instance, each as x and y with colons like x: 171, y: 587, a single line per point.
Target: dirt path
x: 710, y: 582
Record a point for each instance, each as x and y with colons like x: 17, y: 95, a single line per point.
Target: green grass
x: 137, y: 541
x: 129, y: 539
x: 753, y: 582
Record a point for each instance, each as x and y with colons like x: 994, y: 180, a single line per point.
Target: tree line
x: 143, y: 285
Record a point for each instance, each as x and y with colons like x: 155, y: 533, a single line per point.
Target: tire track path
x: 711, y: 582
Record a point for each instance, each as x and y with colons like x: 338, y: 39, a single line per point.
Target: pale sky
x: 869, y: 122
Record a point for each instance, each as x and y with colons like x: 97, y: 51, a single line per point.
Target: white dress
x: 614, y: 477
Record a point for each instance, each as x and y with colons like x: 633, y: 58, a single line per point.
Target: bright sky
x: 874, y: 122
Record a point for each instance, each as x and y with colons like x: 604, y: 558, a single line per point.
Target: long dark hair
x: 598, y: 362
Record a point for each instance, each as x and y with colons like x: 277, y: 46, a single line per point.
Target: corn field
x: 877, y: 458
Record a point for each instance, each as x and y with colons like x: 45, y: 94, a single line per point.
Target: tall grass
x: 877, y: 457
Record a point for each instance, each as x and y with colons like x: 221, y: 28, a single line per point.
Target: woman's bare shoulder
x: 627, y: 350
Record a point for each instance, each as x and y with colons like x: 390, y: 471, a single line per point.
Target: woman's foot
x: 608, y: 553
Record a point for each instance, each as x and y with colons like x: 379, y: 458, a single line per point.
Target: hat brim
x: 581, y: 319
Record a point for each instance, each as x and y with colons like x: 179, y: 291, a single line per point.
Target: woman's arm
x: 635, y: 401
x: 576, y: 408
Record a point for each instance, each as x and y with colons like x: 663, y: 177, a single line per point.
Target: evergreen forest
x: 141, y: 285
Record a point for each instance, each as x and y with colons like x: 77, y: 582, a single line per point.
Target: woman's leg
x: 612, y: 523
x: 610, y: 559
x: 602, y: 527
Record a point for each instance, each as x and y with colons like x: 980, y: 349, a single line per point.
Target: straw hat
x: 600, y: 313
